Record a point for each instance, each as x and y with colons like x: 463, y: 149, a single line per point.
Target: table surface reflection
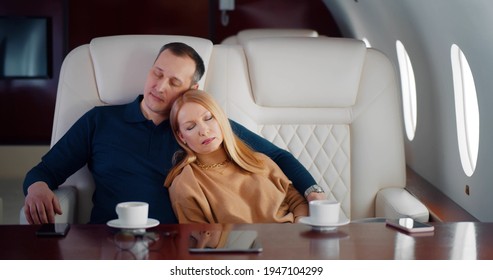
x: 462, y: 240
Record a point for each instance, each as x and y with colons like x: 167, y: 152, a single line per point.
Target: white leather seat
x: 248, y: 34
x: 331, y: 102
x: 109, y: 70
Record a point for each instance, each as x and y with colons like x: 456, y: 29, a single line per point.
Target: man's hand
x: 316, y: 196
x: 41, y: 204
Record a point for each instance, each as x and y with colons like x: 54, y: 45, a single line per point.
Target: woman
x: 218, y: 178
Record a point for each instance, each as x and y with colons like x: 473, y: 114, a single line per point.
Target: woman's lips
x: 208, y: 141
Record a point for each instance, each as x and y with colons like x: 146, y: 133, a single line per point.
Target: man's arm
x: 62, y: 160
x: 41, y: 204
x: 67, y: 156
x: 295, y: 171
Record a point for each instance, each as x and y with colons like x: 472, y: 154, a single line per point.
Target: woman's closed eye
x: 190, y: 126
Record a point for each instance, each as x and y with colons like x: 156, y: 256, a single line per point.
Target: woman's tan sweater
x: 227, y: 194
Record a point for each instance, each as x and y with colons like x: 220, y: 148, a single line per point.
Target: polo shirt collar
x: 133, y: 113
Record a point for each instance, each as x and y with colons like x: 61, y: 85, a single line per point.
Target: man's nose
x: 162, y: 85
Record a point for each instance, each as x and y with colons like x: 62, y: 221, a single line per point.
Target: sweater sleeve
x: 298, y: 174
x: 297, y: 204
x: 67, y: 156
x: 186, y: 200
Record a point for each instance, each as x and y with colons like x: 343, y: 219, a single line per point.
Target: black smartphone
x: 57, y: 229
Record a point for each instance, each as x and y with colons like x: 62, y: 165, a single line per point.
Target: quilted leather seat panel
x: 324, y: 150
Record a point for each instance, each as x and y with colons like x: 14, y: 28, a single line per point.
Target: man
x: 129, y: 148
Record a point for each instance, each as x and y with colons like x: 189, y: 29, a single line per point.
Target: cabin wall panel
x: 311, y: 14
x: 88, y: 19
x: 27, y: 105
x: 428, y: 29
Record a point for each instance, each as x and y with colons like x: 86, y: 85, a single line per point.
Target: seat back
x: 110, y: 70
x: 331, y: 102
x: 248, y: 34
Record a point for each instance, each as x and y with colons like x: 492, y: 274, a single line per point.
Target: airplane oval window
x: 466, y: 110
x: 408, y: 86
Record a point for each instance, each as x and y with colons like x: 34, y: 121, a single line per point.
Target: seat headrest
x: 121, y: 63
x: 249, y: 34
x: 305, y: 72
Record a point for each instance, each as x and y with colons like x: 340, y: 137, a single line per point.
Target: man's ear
x: 195, y: 86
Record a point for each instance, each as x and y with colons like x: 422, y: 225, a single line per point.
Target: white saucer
x: 324, y: 227
x: 117, y: 224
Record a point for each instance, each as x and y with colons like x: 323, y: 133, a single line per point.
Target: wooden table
x: 376, y: 241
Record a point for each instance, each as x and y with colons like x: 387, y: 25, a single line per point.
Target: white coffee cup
x: 132, y: 213
x: 324, y: 212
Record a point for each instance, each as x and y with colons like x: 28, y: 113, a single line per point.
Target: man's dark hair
x: 182, y: 50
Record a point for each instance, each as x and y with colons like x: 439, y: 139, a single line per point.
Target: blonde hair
x: 237, y: 150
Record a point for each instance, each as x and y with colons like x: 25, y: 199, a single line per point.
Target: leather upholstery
x: 248, y: 34
x: 333, y: 104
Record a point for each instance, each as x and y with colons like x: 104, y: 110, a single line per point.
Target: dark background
x: 27, y: 105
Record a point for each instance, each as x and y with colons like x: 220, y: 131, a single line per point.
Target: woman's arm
x: 297, y: 204
x: 185, y: 198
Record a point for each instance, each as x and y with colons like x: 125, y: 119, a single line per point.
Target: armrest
x: 67, y: 196
x: 398, y: 203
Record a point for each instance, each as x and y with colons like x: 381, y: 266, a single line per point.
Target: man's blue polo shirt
x: 129, y: 158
